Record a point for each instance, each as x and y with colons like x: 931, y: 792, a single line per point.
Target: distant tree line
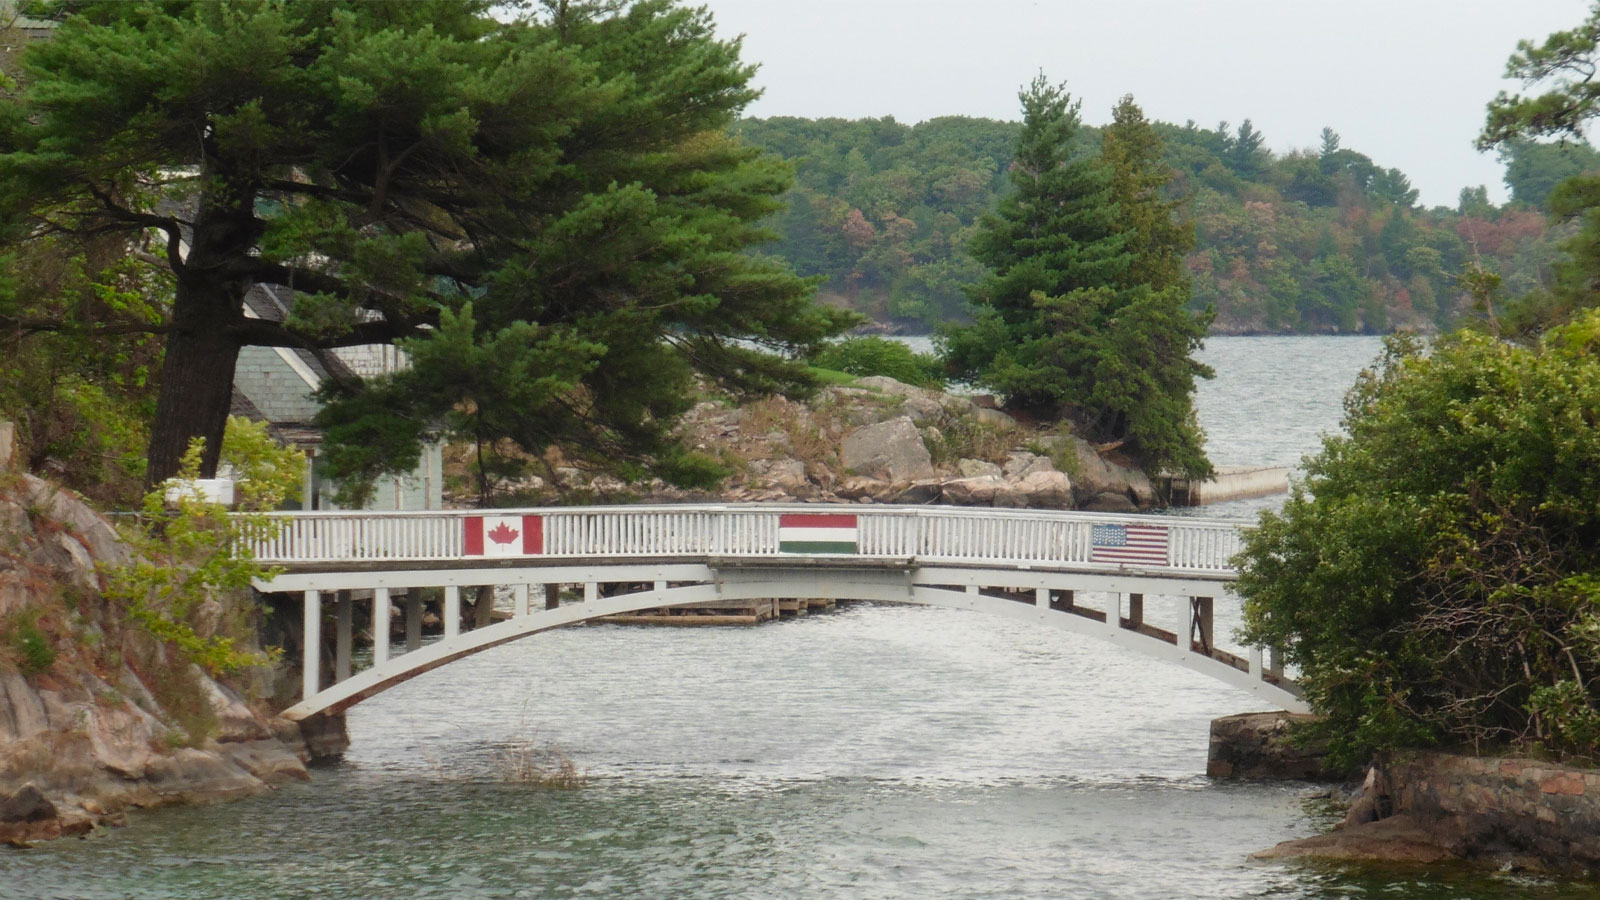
x: 1322, y: 239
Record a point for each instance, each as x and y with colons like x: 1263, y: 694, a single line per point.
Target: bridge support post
x: 1135, y: 611
x: 552, y: 596
x: 413, y: 621
x: 1200, y: 621
x: 591, y: 591
x: 311, y: 646
x: 452, y: 611
x: 519, y: 603
x: 1255, y: 662
x: 1275, y: 660
x: 380, y: 626
x: 1041, y: 598
x: 343, y: 640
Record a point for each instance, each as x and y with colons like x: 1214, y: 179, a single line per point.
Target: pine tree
x: 1245, y: 154
x: 1148, y: 371
x: 1157, y: 236
x: 1082, y: 316
x: 1330, y: 142
x: 559, y: 187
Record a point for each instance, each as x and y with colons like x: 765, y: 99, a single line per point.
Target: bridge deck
x: 1014, y: 563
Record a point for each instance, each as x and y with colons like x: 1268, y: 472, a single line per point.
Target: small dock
x: 721, y: 612
x: 1229, y: 483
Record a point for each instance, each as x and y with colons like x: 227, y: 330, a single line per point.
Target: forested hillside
x: 1317, y: 240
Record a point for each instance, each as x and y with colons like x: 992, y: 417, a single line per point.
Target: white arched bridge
x: 1030, y: 565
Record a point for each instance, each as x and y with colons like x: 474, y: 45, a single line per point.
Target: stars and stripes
x: 1128, y: 544
x: 812, y: 533
x: 502, y: 535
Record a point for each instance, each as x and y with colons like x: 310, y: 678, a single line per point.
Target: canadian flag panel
x: 503, y: 535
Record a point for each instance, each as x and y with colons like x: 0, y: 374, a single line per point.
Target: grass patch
x: 831, y: 376
x: 962, y: 437
x: 541, y: 764
x: 28, y: 645
x: 174, y: 685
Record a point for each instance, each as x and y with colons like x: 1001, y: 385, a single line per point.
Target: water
x: 879, y: 752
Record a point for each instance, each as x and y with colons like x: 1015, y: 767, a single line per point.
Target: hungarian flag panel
x: 816, y: 533
x: 503, y: 535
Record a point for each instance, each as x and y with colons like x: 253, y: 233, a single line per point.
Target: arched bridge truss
x: 1032, y: 566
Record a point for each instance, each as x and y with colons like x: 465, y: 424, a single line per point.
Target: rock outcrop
x: 96, y: 715
x: 1262, y: 746
x: 1503, y: 812
x: 879, y: 440
x: 891, y: 451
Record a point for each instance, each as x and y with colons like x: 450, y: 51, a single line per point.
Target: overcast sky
x: 1403, y: 81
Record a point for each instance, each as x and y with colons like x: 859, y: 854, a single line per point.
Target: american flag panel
x: 1128, y: 544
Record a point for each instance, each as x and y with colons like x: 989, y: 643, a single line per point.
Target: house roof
x: 272, y: 303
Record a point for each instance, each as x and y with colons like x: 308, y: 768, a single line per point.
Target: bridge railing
x: 928, y: 534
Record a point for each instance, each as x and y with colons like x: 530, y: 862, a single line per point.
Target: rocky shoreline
x: 877, y: 440
x: 1424, y: 808
x: 97, y: 718
x: 1503, y: 812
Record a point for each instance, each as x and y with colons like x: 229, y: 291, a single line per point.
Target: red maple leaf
x: 502, y: 534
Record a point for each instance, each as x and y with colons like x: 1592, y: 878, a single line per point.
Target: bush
x: 1433, y: 575
x: 30, y: 644
x: 962, y: 437
x: 864, y: 356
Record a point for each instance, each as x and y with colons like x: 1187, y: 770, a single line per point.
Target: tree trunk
x: 196, y: 384
x: 203, y: 346
x: 483, y: 607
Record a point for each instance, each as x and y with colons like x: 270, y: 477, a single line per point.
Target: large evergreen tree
x: 1565, y: 65
x: 1083, y: 315
x: 554, y: 197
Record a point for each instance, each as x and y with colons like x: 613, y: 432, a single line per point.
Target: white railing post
x: 452, y: 611
x: 380, y: 626
x: 311, y: 646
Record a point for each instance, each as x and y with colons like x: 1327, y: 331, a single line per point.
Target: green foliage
x: 1565, y: 62
x: 266, y: 475
x: 1561, y: 176
x: 885, y: 212
x: 567, y: 173
x: 190, y: 551
x: 1084, y: 313
x: 1535, y: 168
x: 80, y: 395
x: 965, y: 437
x: 1433, y: 575
x: 880, y: 356
x: 29, y: 644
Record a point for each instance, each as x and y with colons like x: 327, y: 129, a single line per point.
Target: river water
x: 876, y: 752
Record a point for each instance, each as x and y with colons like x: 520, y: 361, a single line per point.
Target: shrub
x: 1433, y: 575
x: 963, y: 437
x: 30, y: 644
x: 187, y: 554
x: 865, y: 356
